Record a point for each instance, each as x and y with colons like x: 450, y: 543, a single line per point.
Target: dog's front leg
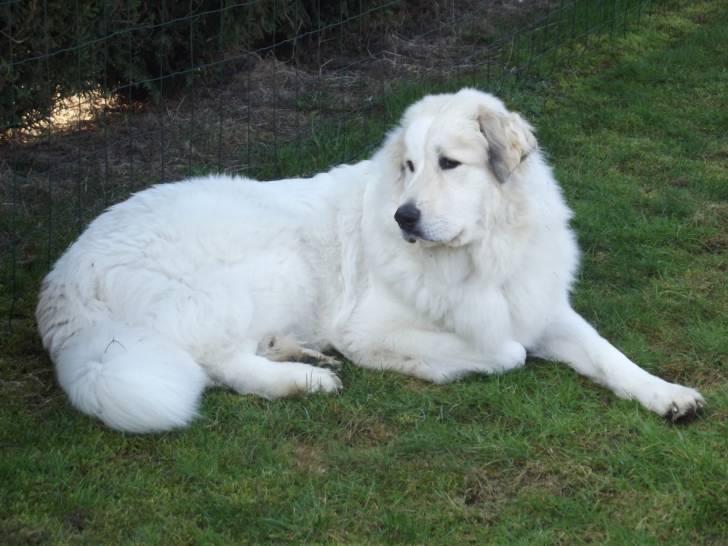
x: 435, y: 356
x: 484, y: 319
x: 572, y: 340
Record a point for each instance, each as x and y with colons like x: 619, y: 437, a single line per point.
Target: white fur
x: 219, y: 279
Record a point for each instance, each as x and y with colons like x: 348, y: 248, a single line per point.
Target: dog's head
x: 459, y: 156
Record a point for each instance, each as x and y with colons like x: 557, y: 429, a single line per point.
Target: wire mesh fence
x: 99, y: 99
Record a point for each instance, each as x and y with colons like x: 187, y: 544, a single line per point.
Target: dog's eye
x: 410, y: 166
x: 447, y: 163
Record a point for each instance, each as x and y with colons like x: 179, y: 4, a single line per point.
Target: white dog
x: 447, y: 253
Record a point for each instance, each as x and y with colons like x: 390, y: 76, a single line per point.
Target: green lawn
x: 637, y: 128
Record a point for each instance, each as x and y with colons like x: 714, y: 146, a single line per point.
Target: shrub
x: 55, y: 49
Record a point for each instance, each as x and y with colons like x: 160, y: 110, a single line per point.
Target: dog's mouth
x: 411, y: 236
x: 416, y: 235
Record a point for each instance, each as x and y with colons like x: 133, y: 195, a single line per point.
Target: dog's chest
x: 461, y: 296
x: 445, y: 282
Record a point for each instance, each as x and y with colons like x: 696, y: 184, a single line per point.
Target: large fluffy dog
x: 447, y: 253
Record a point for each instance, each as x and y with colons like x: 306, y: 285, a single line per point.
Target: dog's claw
x: 687, y: 415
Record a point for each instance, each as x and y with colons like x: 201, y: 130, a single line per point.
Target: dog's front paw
x: 512, y: 355
x: 675, y: 402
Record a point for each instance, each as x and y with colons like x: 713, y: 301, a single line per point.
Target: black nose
x: 407, y: 216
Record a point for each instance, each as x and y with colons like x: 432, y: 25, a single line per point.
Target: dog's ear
x: 394, y: 149
x: 510, y: 140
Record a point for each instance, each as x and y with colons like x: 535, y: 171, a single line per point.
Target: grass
x: 635, y: 127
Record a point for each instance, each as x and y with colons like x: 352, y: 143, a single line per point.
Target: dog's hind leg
x: 572, y: 340
x: 281, y: 348
x: 248, y: 373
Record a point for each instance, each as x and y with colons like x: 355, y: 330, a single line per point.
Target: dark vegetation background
x: 56, y: 49
x: 137, y: 44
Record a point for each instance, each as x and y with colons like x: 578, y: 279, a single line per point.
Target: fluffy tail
x: 130, y: 378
